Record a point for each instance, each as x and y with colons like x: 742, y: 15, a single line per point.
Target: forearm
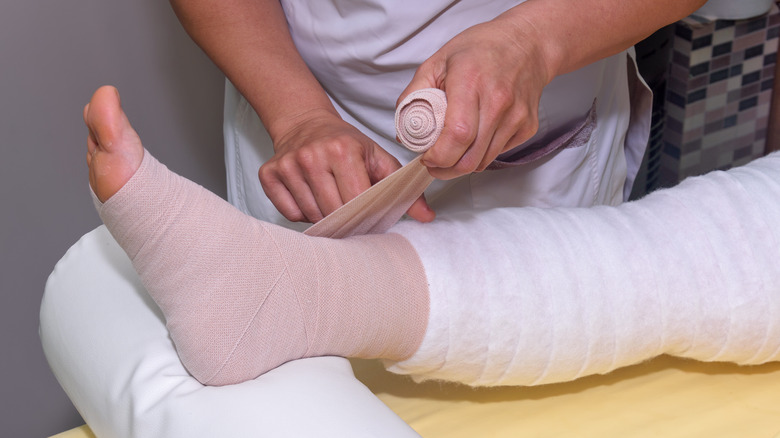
x: 250, y: 42
x: 577, y: 33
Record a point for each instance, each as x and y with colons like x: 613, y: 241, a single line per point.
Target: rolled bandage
x: 419, y: 119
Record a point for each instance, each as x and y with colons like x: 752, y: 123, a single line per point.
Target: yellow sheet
x: 666, y: 397
x: 79, y: 432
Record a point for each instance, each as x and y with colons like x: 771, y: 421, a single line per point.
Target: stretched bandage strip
x: 418, y: 122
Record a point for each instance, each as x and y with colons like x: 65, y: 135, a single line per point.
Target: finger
x: 461, y: 123
x: 289, y: 192
x: 497, y: 144
x: 496, y: 124
x: 283, y: 200
x: 424, y: 77
x: 351, y: 178
x: 516, y: 128
x: 325, y: 190
x: 421, y: 211
x: 303, y: 195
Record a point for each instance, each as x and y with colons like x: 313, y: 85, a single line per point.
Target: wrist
x: 286, y: 124
x: 280, y: 118
x: 534, y: 36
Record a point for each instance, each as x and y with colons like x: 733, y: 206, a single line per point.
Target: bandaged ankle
x: 241, y: 297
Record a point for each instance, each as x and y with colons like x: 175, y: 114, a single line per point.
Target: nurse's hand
x: 493, y: 80
x: 321, y: 163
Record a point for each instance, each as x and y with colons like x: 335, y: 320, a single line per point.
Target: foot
x: 114, y: 150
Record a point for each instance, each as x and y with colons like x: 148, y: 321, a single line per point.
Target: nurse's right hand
x: 321, y: 163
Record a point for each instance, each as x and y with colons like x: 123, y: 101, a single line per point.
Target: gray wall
x: 53, y: 55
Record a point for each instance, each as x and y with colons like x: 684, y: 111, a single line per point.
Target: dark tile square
x: 773, y: 32
x: 700, y: 69
x: 721, y: 49
x: 683, y: 32
x: 730, y: 121
x: 736, y: 70
x: 672, y: 150
x: 751, y: 77
x: 722, y: 24
x: 719, y: 75
x: 700, y: 42
x: 697, y: 95
x: 754, y: 51
x: 675, y: 99
x: 746, y: 27
x: 748, y: 103
x: 757, y: 23
x: 767, y: 84
x: 770, y: 58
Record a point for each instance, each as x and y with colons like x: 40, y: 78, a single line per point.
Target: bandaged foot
x: 239, y: 296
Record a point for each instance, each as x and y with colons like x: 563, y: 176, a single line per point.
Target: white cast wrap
x: 536, y: 296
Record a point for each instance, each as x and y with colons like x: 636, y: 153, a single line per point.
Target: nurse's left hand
x: 493, y: 75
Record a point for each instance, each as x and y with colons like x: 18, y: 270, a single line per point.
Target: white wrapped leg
x: 533, y: 296
x: 108, y: 346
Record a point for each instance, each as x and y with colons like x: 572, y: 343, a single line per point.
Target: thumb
x: 422, y: 79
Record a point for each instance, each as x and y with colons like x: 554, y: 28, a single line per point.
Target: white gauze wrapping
x: 534, y: 296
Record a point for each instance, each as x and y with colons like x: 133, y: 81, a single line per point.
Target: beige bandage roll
x: 420, y: 118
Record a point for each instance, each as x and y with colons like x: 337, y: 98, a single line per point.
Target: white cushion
x: 107, y: 345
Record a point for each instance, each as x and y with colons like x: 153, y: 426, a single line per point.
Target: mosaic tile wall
x: 718, y: 94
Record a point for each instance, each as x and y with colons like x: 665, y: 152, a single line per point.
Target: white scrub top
x: 365, y: 52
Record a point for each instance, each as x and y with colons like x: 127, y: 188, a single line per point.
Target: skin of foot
x: 114, y: 150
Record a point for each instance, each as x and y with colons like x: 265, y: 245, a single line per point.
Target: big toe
x: 114, y: 149
x: 104, y: 117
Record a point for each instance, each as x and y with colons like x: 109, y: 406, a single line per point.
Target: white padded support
x: 106, y: 343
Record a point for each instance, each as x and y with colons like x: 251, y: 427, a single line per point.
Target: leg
x: 107, y: 344
x: 518, y: 296
x: 690, y: 271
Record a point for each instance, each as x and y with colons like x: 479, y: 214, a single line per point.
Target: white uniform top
x: 365, y: 52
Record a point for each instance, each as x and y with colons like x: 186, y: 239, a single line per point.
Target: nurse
x: 542, y: 92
